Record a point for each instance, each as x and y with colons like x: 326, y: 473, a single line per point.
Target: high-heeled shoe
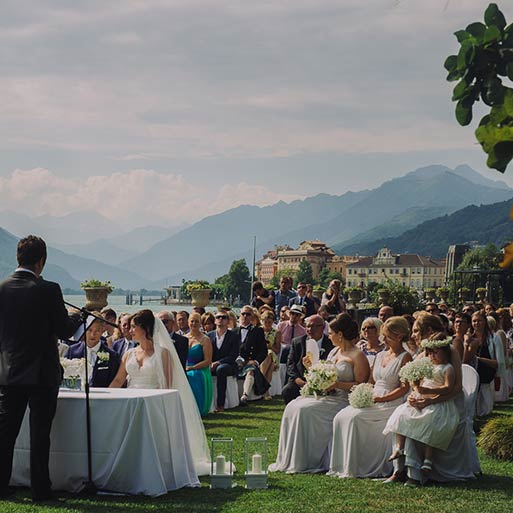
x: 396, y: 454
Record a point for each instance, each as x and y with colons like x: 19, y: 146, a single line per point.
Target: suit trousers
x: 222, y: 371
x: 290, y: 391
x: 42, y: 402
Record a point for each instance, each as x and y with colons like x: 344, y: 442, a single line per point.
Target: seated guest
x: 199, y: 359
x: 225, y: 350
x: 307, y: 424
x: 461, y: 326
x: 284, y: 313
x: 182, y: 322
x: 432, y: 308
x: 359, y: 448
x: 208, y: 322
x: 283, y: 295
x: 123, y: 343
x: 290, y: 329
x: 181, y: 343
x: 370, y: 344
x: 273, y: 340
x: 104, y: 361
x: 315, y: 299
x: 303, y: 300
x: 199, y: 310
x: 110, y: 316
x: 295, y: 366
x: 385, y: 312
x: 253, y: 350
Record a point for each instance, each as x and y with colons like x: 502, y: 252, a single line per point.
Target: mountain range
x: 354, y: 222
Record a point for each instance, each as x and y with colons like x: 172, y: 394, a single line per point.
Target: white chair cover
x: 470, y: 383
x: 276, y: 385
x: 232, y: 393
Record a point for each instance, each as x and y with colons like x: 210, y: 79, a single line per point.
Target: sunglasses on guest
x: 221, y: 317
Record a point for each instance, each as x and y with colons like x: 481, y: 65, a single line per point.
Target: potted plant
x: 384, y: 296
x: 318, y: 291
x: 96, y: 292
x: 481, y: 293
x: 464, y: 293
x: 443, y: 293
x: 430, y: 294
x: 200, y: 292
x: 355, y: 295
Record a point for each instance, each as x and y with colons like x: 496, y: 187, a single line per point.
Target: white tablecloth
x: 139, y: 439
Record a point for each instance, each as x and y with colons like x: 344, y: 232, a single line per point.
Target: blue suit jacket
x: 229, y: 350
x: 118, y: 346
x: 104, y: 371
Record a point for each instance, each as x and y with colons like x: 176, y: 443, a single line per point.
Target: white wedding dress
x: 153, y: 375
x: 306, y: 427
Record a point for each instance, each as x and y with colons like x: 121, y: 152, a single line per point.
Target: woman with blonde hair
x: 273, y: 340
x: 370, y: 343
x: 359, y: 448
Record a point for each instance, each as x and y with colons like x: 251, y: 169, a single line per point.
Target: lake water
x: 118, y: 304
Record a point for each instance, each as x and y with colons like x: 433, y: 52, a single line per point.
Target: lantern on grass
x: 221, y: 463
x: 256, y: 463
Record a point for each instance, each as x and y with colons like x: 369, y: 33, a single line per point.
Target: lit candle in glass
x: 256, y: 464
x: 220, y: 464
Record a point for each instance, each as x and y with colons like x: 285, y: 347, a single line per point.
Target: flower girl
x: 434, y: 425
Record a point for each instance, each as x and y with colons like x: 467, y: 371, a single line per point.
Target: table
x: 139, y: 439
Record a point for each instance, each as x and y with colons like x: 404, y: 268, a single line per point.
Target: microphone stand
x: 89, y: 486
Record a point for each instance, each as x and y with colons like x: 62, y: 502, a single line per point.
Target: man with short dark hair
x: 303, y: 300
x: 262, y: 296
x: 181, y: 343
x: 283, y: 295
x: 432, y: 308
x: 32, y: 317
x: 182, y: 322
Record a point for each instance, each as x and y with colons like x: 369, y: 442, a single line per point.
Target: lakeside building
x: 285, y: 258
x: 411, y: 270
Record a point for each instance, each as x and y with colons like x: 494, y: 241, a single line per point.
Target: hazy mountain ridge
x: 483, y: 224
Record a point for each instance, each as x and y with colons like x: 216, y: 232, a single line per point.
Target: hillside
x: 483, y: 224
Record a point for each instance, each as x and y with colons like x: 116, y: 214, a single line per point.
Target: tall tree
x: 238, y: 280
x: 304, y: 273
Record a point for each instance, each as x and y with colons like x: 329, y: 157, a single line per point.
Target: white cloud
x: 132, y: 198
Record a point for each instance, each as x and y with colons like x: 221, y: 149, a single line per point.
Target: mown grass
x: 492, y: 492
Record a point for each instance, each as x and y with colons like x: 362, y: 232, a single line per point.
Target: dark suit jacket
x: 295, y: 367
x: 254, y: 346
x: 103, y: 371
x: 308, y: 304
x: 32, y: 317
x: 182, y: 347
x: 118, y: 346
x: 229, y: 350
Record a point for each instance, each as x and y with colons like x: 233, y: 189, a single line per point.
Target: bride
x: 154, y: 363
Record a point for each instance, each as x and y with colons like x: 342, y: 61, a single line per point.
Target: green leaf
x: 451, y: 62
x: 493, y: 16
x: 477, y: 30
x: 492, y: 91
x: 509, y: 70
x: 492, y: 34
x: 463, y: 112
x: 461, y: 90
x: 461, y: 35
x: 454, y: 75
x: 466, y: 54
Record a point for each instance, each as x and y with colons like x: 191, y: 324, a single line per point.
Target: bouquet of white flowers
x: 319, y: 378
x: 74, y: 370
x: 362, y: 395
x: 415, y: 371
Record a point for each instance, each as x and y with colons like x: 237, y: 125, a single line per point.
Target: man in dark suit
x: 181, y: 343
x: 104, y: 361
x: 253, y: 350
x: 32, y: 317
x: 123, y: 344
x: 303, y: 300
x: 225, y: 350
x: 295, y: 367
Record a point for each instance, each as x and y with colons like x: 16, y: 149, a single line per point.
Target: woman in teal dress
x: 199, y: 359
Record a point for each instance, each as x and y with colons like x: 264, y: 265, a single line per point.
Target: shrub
x: 496, y: 438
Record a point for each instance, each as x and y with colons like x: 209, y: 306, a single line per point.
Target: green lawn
x: 493, y: 492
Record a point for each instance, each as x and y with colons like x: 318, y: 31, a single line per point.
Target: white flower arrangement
x: 435, y: 344
x: 319, y: 378
x: 75, y: 368
x: 417, y: 370
x: 362, y: 395
x: 103, y: 356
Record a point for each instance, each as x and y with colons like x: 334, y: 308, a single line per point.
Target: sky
x: 165, y: 111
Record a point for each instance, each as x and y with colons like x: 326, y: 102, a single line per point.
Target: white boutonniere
x: 103, y: 356
x: 322, y: 351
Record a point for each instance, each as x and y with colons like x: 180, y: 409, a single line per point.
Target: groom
x: 295, y: 367
x: 32, y: 317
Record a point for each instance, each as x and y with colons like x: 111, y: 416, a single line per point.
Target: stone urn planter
x: 355, y: 296
x: 318, y: 293
x: 384, y: 297
x: 443, y: 294
x: 96, y: 297
x: 464, y: 294
x: 200, y: 297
